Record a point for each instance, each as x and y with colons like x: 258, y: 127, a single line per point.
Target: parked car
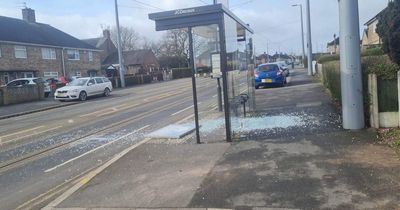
x: 30, y: 81
x: 269, y: 74
x: 81, y: 88
x: 282, y: 65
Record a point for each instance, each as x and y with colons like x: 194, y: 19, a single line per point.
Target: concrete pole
x: 120, y: 59
x: 309, y: 40
x: 350, y: 66
x: 302, y: 33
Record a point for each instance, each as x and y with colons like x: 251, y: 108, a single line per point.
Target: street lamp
x: 309, y: 40
x: 302, y: 30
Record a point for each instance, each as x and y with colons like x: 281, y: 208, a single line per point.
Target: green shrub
x: 327, y: 58
x: 181, y: 73
x: 376, y: 51
x: 332, y: 78
x: 381, y: 66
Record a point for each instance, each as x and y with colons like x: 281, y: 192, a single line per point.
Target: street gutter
x: 37, y: 110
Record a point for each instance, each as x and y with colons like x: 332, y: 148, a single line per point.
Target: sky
x: 275, y: 22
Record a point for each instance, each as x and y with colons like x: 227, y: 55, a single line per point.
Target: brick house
x: 333, y: 47
x: 370, y: 37
x: 103, y: 43
x: 135, y: 62
x: 31, y: 49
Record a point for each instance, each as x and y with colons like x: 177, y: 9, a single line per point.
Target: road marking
x: 19, y: 132
x: 91, y: 175
x: 242, y: 84
x: 213, y: 104
x: 95, y: 149
x: 214, y: 96
x: 184, y: 110
x: 184, y: 119
x: 32, y: 134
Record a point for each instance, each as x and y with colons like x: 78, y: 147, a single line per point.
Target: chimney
x: 28, y: 15
x: 106, y: 33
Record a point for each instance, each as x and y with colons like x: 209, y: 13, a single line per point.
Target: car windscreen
x: 78, y: 82
x: 268, y: 68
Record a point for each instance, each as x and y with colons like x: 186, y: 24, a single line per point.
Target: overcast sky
x: 275, y: 22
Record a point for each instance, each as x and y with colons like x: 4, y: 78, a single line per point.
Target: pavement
x: 298, y: 157
x: 15, y: 110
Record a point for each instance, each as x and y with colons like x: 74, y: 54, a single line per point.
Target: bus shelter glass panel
x: 239, y: 75
x: 207, y: 59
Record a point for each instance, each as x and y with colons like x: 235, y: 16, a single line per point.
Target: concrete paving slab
x: 152, y: 176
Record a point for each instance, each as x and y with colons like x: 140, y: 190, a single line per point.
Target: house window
x: 50, y: 74
x: 20, y: 52
x: 28, y: 75
x: 73, y: 54
x: 48, y: 53
x: 90, y: 56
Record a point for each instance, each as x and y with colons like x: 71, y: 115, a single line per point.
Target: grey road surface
x: 43, y: 153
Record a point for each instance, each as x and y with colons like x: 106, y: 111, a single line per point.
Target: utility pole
x: 309, y: 42
x: 120, y: 59
x: 302, y: 31
x: 350, y: 66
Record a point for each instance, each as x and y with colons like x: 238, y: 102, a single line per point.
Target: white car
x: 30, y: 81
x: 80, y: 89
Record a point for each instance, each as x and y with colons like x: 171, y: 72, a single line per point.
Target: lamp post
x: 302, y: 30
x: 309, y: 40
x: 120, y: 59
x: 350, y: 66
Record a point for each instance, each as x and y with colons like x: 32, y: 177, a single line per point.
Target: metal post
x: 196, y: 110
x: 350, y: 66
x: 228, y: 128
x: 302, y: 33
x: 309, y: 42
x: 219, y: 89
x: 121, y: 63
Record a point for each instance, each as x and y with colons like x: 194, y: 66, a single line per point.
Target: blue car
x: 269, y: 75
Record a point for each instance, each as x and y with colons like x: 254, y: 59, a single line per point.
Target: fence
x: 15, y: 95
x: 381, y: 95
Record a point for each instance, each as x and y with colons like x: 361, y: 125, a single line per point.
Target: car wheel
x: 82, y: 96
x: 106, y: 92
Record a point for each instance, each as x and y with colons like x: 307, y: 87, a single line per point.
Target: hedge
x: 178, y: 73
x: 386, y: 72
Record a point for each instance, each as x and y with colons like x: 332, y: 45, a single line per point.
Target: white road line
x: 95, y: 149
x: 32, y: 134
x: 184, y: 110
x: 24, y: 131
x: 242, y: 84
x: 90, y: 176
x: 214, y: 96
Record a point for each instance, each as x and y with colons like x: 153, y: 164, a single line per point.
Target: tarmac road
x: 43, y: 153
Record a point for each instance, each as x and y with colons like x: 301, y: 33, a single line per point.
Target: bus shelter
x: 220, y: 42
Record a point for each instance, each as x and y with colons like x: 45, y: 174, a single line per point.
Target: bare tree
x: 129, y: 38
x: 150, y: 45
x: 175, y: 43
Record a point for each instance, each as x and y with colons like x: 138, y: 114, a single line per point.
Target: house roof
x: 95, y: 42
x: 374, y: 18
x: 133, y: 57
x: 333, y: 42
x: 20, y: 31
